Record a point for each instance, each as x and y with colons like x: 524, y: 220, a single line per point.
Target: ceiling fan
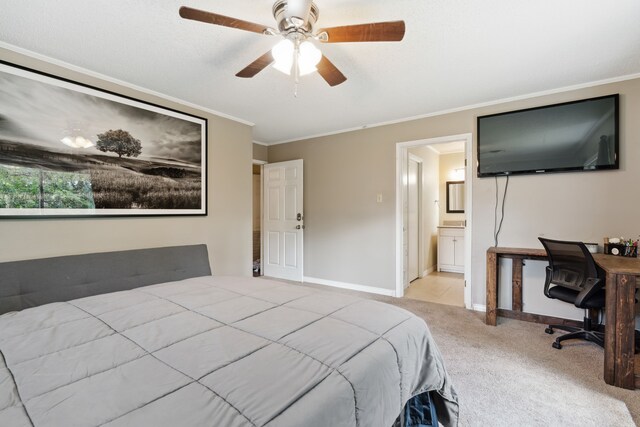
x: 295, y: 54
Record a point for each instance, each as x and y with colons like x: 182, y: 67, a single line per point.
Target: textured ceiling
x: 455, y: 53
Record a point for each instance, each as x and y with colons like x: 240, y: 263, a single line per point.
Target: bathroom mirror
x: 455, y: 196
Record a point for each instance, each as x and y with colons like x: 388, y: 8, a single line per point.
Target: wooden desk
x: 621, y: 274
x: 619, y: 332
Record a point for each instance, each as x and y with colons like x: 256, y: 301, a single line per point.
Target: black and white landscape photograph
x: 71, y: 150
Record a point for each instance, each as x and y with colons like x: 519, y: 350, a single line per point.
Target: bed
x: 151, y: 338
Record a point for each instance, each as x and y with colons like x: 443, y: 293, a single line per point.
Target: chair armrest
x: 592, y: 286
x: 547, y: 282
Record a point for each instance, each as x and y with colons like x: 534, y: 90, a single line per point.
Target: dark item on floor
x: 418, y: 412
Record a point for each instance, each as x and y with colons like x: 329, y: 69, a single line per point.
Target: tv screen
x: 573, y: 136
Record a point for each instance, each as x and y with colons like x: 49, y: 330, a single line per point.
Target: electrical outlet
x: 379, y: 198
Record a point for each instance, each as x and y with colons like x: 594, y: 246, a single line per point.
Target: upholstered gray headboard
x: 35, y: 282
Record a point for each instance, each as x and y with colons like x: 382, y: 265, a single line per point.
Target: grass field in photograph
x: 33, y: 177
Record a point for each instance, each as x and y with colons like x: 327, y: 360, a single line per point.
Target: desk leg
x: 516, y: 285
x: 625, y: 332
x: 611, y: 307
x: 492, y: 289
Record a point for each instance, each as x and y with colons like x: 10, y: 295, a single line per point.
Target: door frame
x: 300, y: 232
x: 402, y: 151
x: 421, y: 268
x: 261, y: 163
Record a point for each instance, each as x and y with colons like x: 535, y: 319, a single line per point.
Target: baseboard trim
x: 480, y: 307
x: 538, y: 318
x: 351, y: 286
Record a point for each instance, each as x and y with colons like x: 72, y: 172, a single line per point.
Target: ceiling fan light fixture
x: 283, y: 56
x: 308, y: 58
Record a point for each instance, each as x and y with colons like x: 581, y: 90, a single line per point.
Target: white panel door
x: 413, y: 219
x: 283, y: 220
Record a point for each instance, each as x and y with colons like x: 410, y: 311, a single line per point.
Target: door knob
x: 299, y: 227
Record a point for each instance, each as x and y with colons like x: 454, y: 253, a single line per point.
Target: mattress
x: 217, y: 351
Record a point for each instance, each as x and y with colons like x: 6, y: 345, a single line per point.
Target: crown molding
x: 469, y: 107
x: 109, y: 79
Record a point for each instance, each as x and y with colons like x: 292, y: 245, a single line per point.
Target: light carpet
x: 510, y: 375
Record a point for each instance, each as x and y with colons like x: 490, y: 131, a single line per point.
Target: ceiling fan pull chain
x: 296, y: 67
x: 296, y: 61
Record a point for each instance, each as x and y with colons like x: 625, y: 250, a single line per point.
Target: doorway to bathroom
x: 433, y: 213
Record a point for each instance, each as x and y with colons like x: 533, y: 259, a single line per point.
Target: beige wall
x: 226, y: 230
x: 430, y: 211
x: 260, y: 152
x: 448, y: 164
x: 351, y: 238
x: 347, y: 234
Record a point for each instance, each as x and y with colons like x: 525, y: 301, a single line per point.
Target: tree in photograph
x: 120, y: 142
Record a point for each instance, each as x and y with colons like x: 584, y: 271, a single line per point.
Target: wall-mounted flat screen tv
x: 573, y: 136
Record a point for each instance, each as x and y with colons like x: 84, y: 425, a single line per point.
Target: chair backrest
x: 571, y: 263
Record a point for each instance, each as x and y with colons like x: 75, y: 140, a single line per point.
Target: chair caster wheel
x: 549, y: 330
x: 556, y: 345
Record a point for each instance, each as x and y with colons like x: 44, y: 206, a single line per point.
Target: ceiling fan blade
x: 330, y: 73
x: 225, y: 21
x: 256, y: 66
x: 375, y: 32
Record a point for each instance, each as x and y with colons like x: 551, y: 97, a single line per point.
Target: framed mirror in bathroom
x: 455, y: 196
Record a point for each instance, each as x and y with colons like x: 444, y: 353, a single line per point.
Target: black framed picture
x: 72, y: 150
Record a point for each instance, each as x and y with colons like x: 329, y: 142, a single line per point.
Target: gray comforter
x: 217, y: 351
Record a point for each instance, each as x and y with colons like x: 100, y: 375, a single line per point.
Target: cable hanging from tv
x: 497, y: 227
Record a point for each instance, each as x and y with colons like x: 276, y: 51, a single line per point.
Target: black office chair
x: 574, y: 277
